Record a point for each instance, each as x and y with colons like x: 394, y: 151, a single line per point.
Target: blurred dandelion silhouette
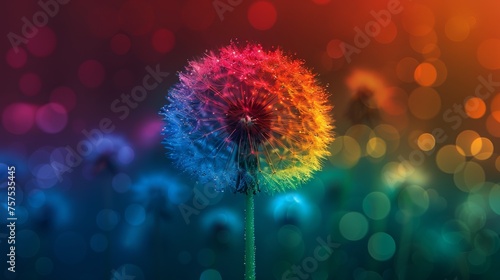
x: 110, y: 154
x: 368, y: 92
x: 373, y: 101
x: 224, y: 227
x: 160, y: 194
x: 248, y: 119
x: 293, y: 208
x: 361, y: 108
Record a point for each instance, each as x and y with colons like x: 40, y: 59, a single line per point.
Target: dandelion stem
x: 249, y: 237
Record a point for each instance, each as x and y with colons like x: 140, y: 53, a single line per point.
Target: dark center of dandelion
x: 248, y: 125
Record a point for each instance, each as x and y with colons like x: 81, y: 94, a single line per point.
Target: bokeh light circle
x: 36, y: 198
x: 493, y: 126
x: 210, y: 274
x: 334, y: 49
x: 470, y: 177
x: 488, y: 55
x: 441, y: 71
x: 464, y: 141
x: 125, y: 155
x: 16, y: 57
x: 381, y: 246
x: 46, y: 176
x: 121, y: 182
x: 482, y: 148
x: 376, y: 205
x: 353, y: 226
x: 450, y: 158
x: 472, y: 215
x: 51, y: 118
x: 495, y: 107
x: 163, y: 40
x: 262, y: 15
x: 363, y: 134
x: 425, y: 74
x: 475, y: 107
x: 345, y: 151
x: 289, y: 236
x: 494, y: 199
x: 43, y: 44
x: 457, y: 29
x: 135, y: 214
x: 376, y: 147
x: 477, y: 262
x: 387, y: 34
x: 426, y: 142
x: 120, y: 44
x: 18, y: 118
x: 413, y: 200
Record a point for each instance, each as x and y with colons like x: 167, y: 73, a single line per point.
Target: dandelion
x: 249, y: 120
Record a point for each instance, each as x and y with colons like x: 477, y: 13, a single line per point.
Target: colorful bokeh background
x: 411, y: 191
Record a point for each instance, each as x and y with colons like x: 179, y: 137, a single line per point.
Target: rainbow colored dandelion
x: 248, y: 119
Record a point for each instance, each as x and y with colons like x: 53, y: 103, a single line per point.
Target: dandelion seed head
x: 248, y: 119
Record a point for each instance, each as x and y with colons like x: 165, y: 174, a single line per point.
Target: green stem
x: 249, y: 238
